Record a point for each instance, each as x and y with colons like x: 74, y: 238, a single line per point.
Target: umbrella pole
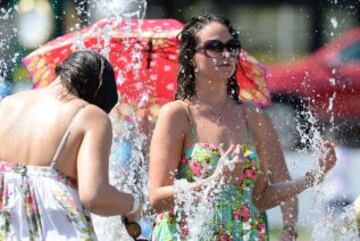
x: 149, y: 51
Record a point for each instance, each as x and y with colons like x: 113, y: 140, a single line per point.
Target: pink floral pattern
x: 27, y: 191
x: 245, y: 222
x: 242, y: 213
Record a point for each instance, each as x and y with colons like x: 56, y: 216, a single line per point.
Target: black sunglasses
x: 215, y: 48
x: 133, y: 229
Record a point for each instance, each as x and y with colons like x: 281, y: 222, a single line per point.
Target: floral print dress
x: 235, y: 218
x: 41, y: 203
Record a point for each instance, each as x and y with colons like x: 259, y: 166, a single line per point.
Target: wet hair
x: 188, y: 43
x: 91, y: 76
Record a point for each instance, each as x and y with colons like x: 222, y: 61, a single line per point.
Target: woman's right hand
x: 134, y: 217
x: 230, y: 167
x: 327, y: 161
x: 328, y: 157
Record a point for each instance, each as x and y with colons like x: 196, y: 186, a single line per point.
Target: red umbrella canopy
x: 142, y: 52
x: 144, y: 56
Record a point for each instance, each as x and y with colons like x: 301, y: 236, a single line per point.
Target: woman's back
x: 38, y: 187
x: 54, y: 149
x: 32, y: 126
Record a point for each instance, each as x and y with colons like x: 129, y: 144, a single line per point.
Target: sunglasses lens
x: 214, y: 47
x: 233, y: 46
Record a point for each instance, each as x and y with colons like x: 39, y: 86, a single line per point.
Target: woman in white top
x: 54, y: 151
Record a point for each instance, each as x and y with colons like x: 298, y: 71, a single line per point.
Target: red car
x: 327, y: 82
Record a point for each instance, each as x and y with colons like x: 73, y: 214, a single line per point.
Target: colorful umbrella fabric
x: 144, y: 55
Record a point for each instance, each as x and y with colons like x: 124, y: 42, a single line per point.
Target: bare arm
x: 165, y: 151
x: 289, y: 208
x: 278, y: 172
x: 96, y: 194
x: 267, y: 196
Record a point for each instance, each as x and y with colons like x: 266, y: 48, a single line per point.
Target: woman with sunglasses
x: 54, y: 149
x: 188, y: 137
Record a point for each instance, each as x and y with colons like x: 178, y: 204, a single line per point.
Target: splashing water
x: 125, y: 9
x: 194, y: 212
x: 308, y: 132
x: 341, y: 227
x: 128, y: 162
x: 127, y: 171
x: 334, y: 22
x: 326, y: 224
x: 128, y: 166
x: 7, y: 34
x: 331, y: 111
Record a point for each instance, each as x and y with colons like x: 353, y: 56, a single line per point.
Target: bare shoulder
x: 16, y: 98
x: 94, y: 117
x: 255, y: 113
x: 16, y: 101
x: 258, y: 121
x: 174, y: 111
x: 172, y: 118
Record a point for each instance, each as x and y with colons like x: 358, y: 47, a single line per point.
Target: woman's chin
x: 219, y: 74
x: 225, y: 74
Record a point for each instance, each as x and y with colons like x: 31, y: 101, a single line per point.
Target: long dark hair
x: 92, y: 76
x: 188, y: 43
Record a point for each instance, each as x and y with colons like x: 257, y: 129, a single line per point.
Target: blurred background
x: 311, y: 49
x: 271, y: 30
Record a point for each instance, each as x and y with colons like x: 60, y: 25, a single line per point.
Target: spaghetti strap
x: 245, y: 118
x: 191, y: 123
x: 65, y: 137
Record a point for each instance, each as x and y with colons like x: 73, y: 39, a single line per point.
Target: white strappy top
x: 41, y: 203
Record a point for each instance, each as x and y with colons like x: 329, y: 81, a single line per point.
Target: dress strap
x: 191, y: 123
x: 65, y: 137
x: 246, y: 121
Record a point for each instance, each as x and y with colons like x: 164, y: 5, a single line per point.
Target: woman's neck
x: 211, y: 92
x: 58, y: 89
